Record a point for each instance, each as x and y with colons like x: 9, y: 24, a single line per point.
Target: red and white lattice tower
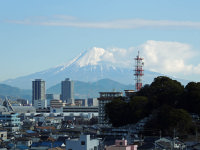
x: 139, y: 72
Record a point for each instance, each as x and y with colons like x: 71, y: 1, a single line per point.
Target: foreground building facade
x: 83, y: 143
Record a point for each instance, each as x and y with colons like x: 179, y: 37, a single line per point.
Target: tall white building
x: 38, y: 93
x: 41, y: 103
x: 67, y: 91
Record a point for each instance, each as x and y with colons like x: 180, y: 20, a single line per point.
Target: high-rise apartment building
x: 38, y: 90
x: 67, y: 91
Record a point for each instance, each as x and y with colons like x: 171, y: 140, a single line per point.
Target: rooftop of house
x: 23, y: 139
x: 47, y: 128
x: 57, y: 148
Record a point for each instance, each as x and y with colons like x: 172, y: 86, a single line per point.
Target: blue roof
x: 10, y: 145
x: 30, y: 131
x: 47, y: 143
x: 22, y: 147
x: 35, y: 144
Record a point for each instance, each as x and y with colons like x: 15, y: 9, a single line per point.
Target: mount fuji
x: 90, y: 66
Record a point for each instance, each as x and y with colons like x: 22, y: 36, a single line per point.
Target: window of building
x: 82, y: 142
x: 70, y: 149
x: 95, y: 148
x: 120, y: 143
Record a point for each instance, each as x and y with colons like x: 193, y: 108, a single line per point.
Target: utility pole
x: 160, y: 134
x: 174, y: 137
x: 140, y: 139
x: 196, y: 134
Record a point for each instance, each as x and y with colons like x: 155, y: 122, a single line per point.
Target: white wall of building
x: 83, y: 143
x: 40, y: 104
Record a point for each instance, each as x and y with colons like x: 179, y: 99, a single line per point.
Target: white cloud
x: 64, y: 17
x: 70, y: 21
x: 170, y: 58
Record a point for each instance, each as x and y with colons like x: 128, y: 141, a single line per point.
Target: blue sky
x: 36, y: 35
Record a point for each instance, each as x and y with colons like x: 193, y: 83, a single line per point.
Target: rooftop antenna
x: 139, y: 72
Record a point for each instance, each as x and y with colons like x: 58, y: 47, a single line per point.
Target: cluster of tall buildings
x: 39, y: 99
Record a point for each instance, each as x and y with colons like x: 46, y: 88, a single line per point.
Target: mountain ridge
x: 92, y: 89
x: 81, y: 89
x: 89, y: 66
x: 14, y: 92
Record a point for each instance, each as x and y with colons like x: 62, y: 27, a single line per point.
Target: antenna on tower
x: 139, y: 72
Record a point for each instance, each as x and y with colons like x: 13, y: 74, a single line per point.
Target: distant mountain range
x: 81, y: 89
x: 90, y: 66
x: 92, y: 89
x: 92, y: 72
x: 13, y: 92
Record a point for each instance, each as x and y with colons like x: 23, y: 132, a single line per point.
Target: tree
x: 138, y: 106
x: 117, y: 112
x: 167, y: 118
x: 165, y: 91
x: 121, y: 113
x: 191, y: 100
x: 165, y: 98
x: 144, y: 91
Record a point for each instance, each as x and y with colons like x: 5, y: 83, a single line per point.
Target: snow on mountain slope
x: 92, y: 57
x: 89, y: 66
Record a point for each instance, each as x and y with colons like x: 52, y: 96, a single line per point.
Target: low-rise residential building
x: 10, y: 118
x: 159, y: 143
x: 121, y: 145
x: 55, y: 103
x: 24, y: 142
x: 3, y: 135
x: 83, y: 143
x: 168, y: 143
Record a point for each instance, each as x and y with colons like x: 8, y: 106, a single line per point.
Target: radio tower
x: 138, y: 72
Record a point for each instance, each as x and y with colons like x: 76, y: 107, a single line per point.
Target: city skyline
x: 35, y: 33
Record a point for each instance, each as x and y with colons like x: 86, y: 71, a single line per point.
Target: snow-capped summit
x: 91, y: 57
x: 94, y: 56
x: 89, y: 66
